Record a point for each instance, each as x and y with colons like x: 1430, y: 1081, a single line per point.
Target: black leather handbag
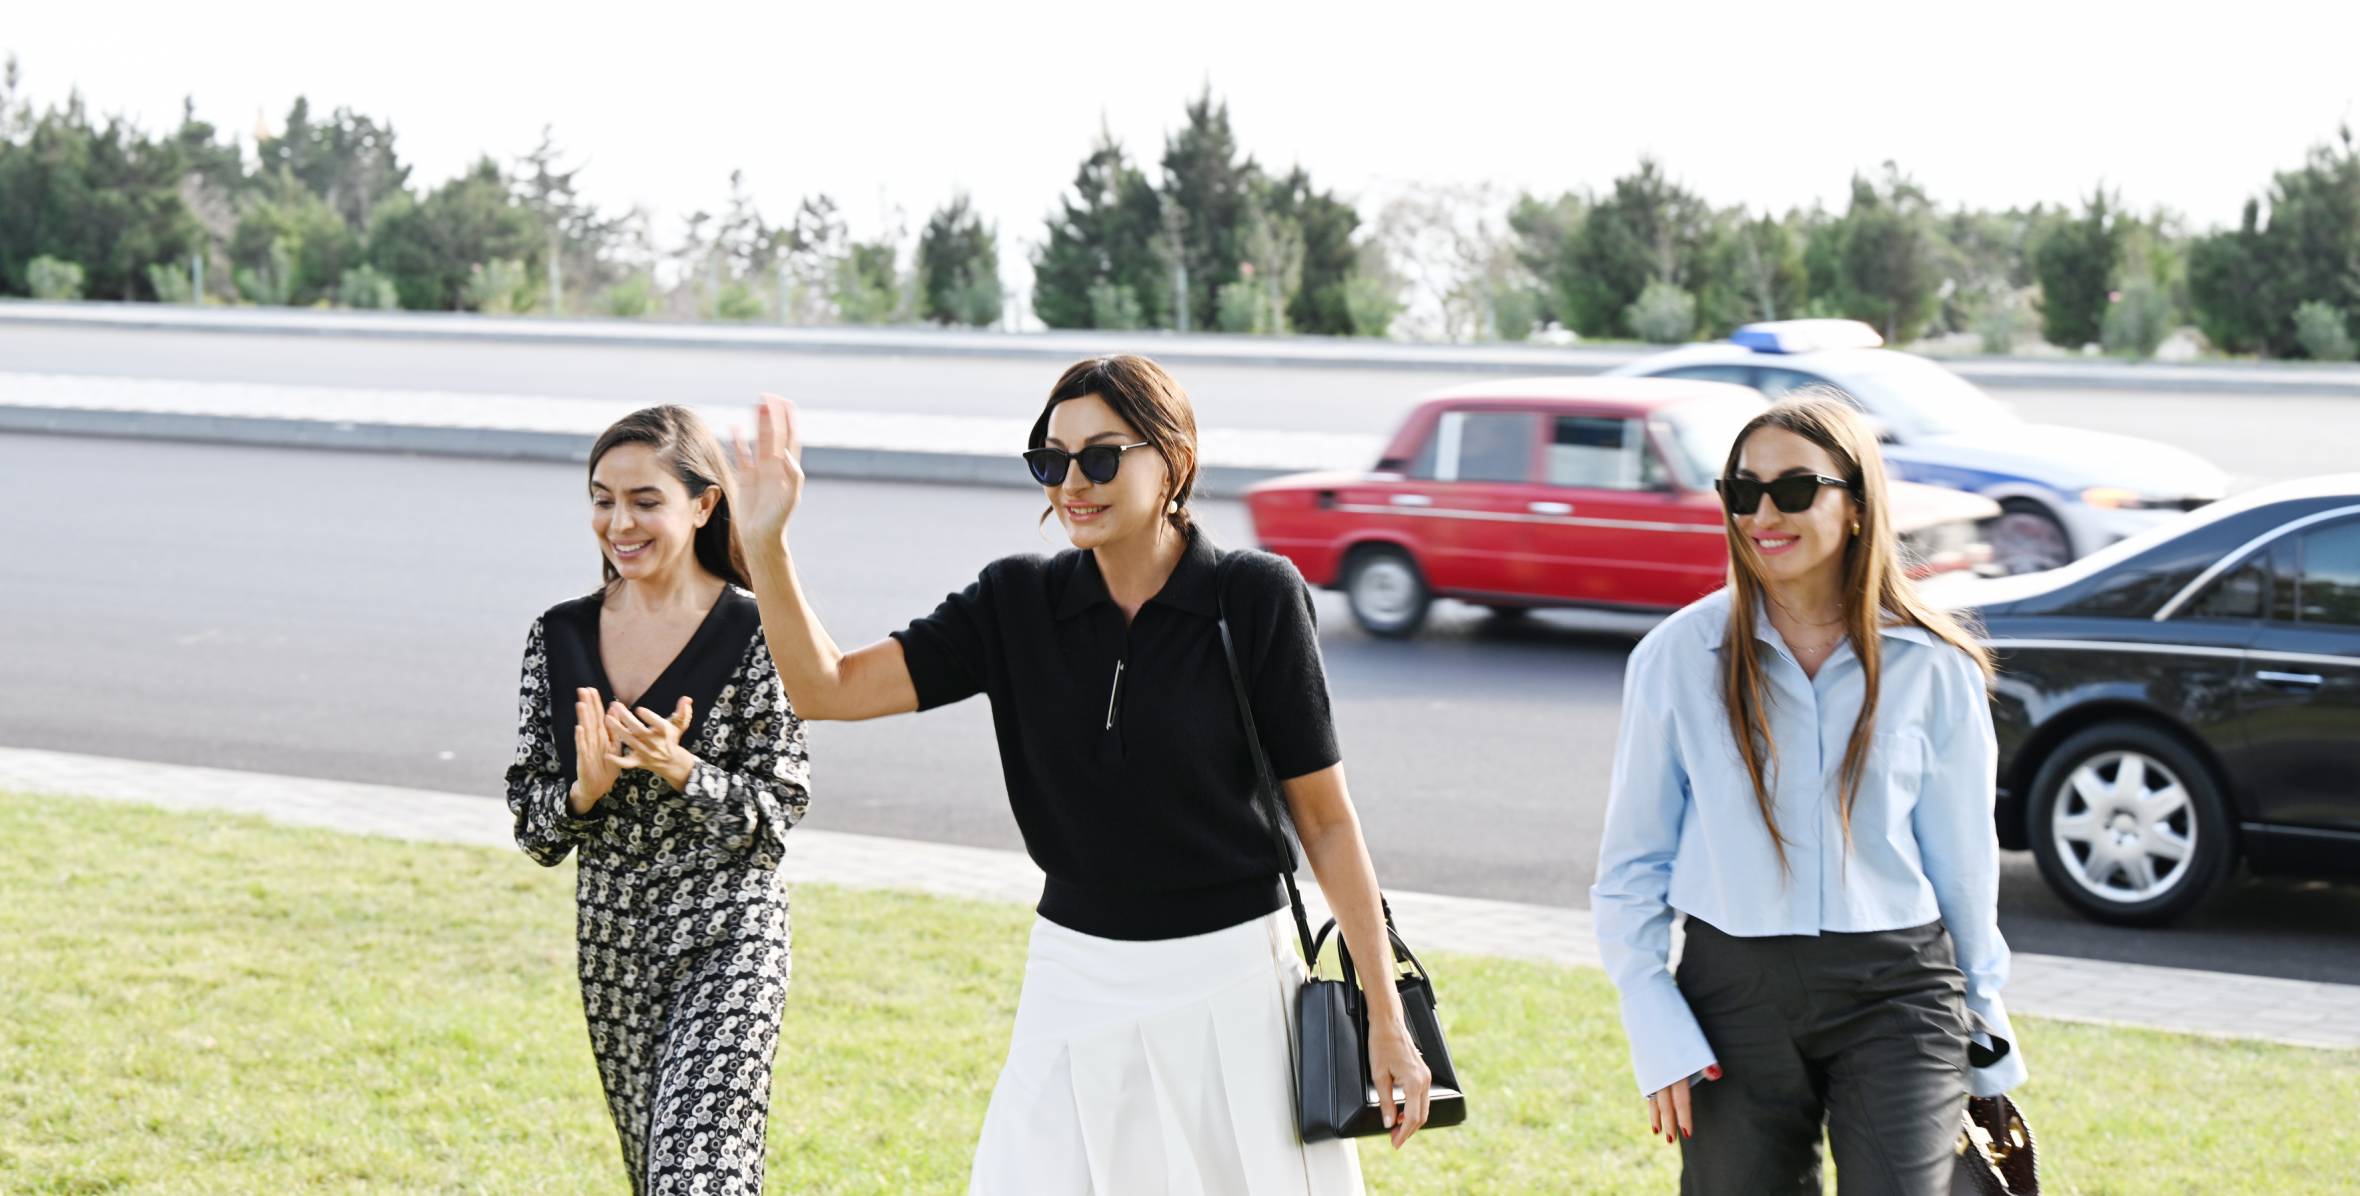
x: 1335, y: 1097
x: 1995, y: 1149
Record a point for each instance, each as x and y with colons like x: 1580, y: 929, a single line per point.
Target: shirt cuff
x: 580, y: 824
x: 1667, y: 1046
x: 1987, y: 1019
x: 1999, y: 1078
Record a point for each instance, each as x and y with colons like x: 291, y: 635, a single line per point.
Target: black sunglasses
x: 1099, y: 462
x: 1793, y: 493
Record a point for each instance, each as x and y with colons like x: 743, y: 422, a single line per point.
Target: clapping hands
x: 610, y: 740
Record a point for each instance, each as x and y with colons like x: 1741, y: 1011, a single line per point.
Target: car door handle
x: 2289, y: 678
x: 1549, y: 508
x: 1412, y: 500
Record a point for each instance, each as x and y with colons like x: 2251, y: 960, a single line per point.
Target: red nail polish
x: 1713, y: 1072
x: 1685, y: 1132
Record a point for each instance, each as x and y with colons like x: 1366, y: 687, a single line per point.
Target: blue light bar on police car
x: 1805, y: 336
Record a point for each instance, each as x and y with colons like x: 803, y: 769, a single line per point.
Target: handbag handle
x: 1401, y: 955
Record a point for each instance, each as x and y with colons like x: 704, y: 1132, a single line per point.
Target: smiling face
x: 645, y: 521
x: 1098, y: 514
x: 1787, y: 546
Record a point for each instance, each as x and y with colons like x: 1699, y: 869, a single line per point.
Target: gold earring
x: 1855, y: 527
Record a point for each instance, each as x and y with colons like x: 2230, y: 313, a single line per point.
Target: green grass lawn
x: 202, y: 1004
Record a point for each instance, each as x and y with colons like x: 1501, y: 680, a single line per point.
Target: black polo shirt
x: 1125, y: 760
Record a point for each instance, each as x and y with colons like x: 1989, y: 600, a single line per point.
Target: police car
x: 2063, y: 492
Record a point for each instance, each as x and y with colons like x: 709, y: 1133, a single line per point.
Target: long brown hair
x: 1147, y: 398
x: 685, y: 446
x: 1876, y: 589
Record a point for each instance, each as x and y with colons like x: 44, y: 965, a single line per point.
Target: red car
x: 1592, y: 492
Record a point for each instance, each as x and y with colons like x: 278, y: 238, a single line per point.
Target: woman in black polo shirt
x: 1151, y: 1051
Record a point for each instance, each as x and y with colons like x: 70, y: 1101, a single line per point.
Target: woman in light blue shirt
x: 1838, y: 874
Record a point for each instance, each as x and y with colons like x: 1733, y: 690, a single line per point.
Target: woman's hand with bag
x: 1394, y: 1062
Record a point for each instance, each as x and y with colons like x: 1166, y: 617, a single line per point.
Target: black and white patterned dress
x: 682, y: 911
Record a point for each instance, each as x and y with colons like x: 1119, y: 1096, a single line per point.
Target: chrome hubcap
x: 2123, y: 827
x: 1384, y: 591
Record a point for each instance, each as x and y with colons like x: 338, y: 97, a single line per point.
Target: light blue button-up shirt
x: 1684, y: 833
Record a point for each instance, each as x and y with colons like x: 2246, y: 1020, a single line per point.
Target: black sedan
x: 2184, y: 702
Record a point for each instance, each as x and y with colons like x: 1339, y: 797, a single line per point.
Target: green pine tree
x: 959, y: 267
x: 2076, y: 264
x: 1101, y: 246
x: 1324, y: 225
x: 1647, y: 229
x: 1208, y: 181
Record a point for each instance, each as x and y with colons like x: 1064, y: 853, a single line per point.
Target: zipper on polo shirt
x: 1114, y: 696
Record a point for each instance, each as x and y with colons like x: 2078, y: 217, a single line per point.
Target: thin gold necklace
x: 1806, y: 622
x: 1822, y: 646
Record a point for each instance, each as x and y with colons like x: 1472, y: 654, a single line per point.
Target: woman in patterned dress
x: 679, y: 820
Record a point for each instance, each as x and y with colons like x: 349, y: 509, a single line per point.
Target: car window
x: 2330, y: 585
x: 1778, y: 383
x: 1601, y: 453
x: 1421, y: 467
x: 2285, y: 575
x: 1915, y: 397
x: 2134, y: 593
x: 1699, y: 433
x: 1477, y: 446
x: 1742, y: 375
x: 2242, y: 593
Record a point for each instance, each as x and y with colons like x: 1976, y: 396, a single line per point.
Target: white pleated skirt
x: 1159, y: 1068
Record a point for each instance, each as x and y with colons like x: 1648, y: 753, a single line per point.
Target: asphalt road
x: 2256, y: 437
x: 360, y: 617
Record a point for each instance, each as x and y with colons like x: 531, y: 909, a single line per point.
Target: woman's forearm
x: 1340, y: 861
x: 806, y: 658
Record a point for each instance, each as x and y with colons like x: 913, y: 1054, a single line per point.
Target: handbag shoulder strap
x: 1266, y: 790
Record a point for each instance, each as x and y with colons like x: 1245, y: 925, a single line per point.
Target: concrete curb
x: 1213, y: 349
x: 1269, y: 352
x: 522, y: 444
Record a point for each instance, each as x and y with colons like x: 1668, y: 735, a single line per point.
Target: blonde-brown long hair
x: 1872, y: 570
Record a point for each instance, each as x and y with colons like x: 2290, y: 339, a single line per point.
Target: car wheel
x: 1387, y: 594
x: 2128, y: 825
x: 2027, y: 537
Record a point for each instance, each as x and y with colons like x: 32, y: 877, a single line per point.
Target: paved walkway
x: 2221, y: 1004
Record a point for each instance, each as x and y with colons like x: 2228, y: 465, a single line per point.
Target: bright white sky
x: 1990, y: 104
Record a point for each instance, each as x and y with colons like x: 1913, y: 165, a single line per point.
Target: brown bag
x: 1995, y: 1151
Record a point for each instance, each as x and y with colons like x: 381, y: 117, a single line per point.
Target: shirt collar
x: 1718, y: 629
x: 1190, y: 588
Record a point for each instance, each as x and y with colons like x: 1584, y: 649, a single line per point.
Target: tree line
x: 324, y: 211
x: 1651, y: 260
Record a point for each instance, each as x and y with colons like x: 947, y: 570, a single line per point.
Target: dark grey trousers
x: 1865, y: 1034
